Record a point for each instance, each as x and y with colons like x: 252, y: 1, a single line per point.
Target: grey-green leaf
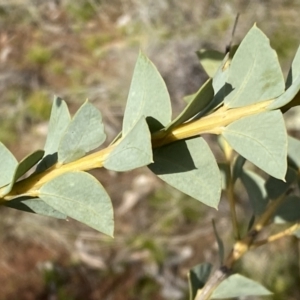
x: 255, y: 187
x: 133, y: 151
x: 198, y: 276
x: 239, y: 286
x: 255, y: 74
x: 190, y: 167
x: 35, y: 205
x: 221, y: 76
x: 80, y: 196
x: 199, y: 101
x: 294, y: 71
x: 148, y: 96
x: 210, y: 60
x: 220, y: 86
x: 59, y: 121
x: 23, y: 166
x: 8, y: 164
x: 84, y: 133
x: 287, y: 96
x: 117, y: 137
x: 262, y: 139
x: 289, y: 210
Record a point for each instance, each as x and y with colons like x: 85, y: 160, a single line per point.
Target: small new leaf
x: 198, y: 102
x: 221, y: 76
x: 84, y: 133
x: 220, y: 86
x: 210, y: 60
x: 80, y: 196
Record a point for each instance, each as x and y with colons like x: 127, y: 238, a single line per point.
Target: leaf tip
x: 110, y: 231
x: 215, y: 206
x: 142, y: 54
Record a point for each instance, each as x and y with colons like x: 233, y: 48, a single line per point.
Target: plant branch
x: 31, y: 185
x: 210, y: 124
x: 213, y: 123
x: 268, y: 213
x: 275, y: 237
x: 238, y: 250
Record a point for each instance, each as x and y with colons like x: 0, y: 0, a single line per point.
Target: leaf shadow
x: 289, y: 79
x: 153, y: 124
x: 172, y: 158
x: 219, y: 97
x: 20, y: 204
x: 47, y: 162
x: 222, y: 94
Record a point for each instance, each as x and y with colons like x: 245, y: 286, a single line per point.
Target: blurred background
x: 87, y: 50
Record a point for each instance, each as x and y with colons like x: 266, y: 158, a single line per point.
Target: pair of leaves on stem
x: 260, y: 138
x: 75, y: 194
x: 148, y: 109
x: 72, y: 138
x: 13, y: 169
x: 254, y: 75
x: 186, y: 165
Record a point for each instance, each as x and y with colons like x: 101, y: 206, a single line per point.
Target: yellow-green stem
x: 213, y: 123
x: 277, y: 236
